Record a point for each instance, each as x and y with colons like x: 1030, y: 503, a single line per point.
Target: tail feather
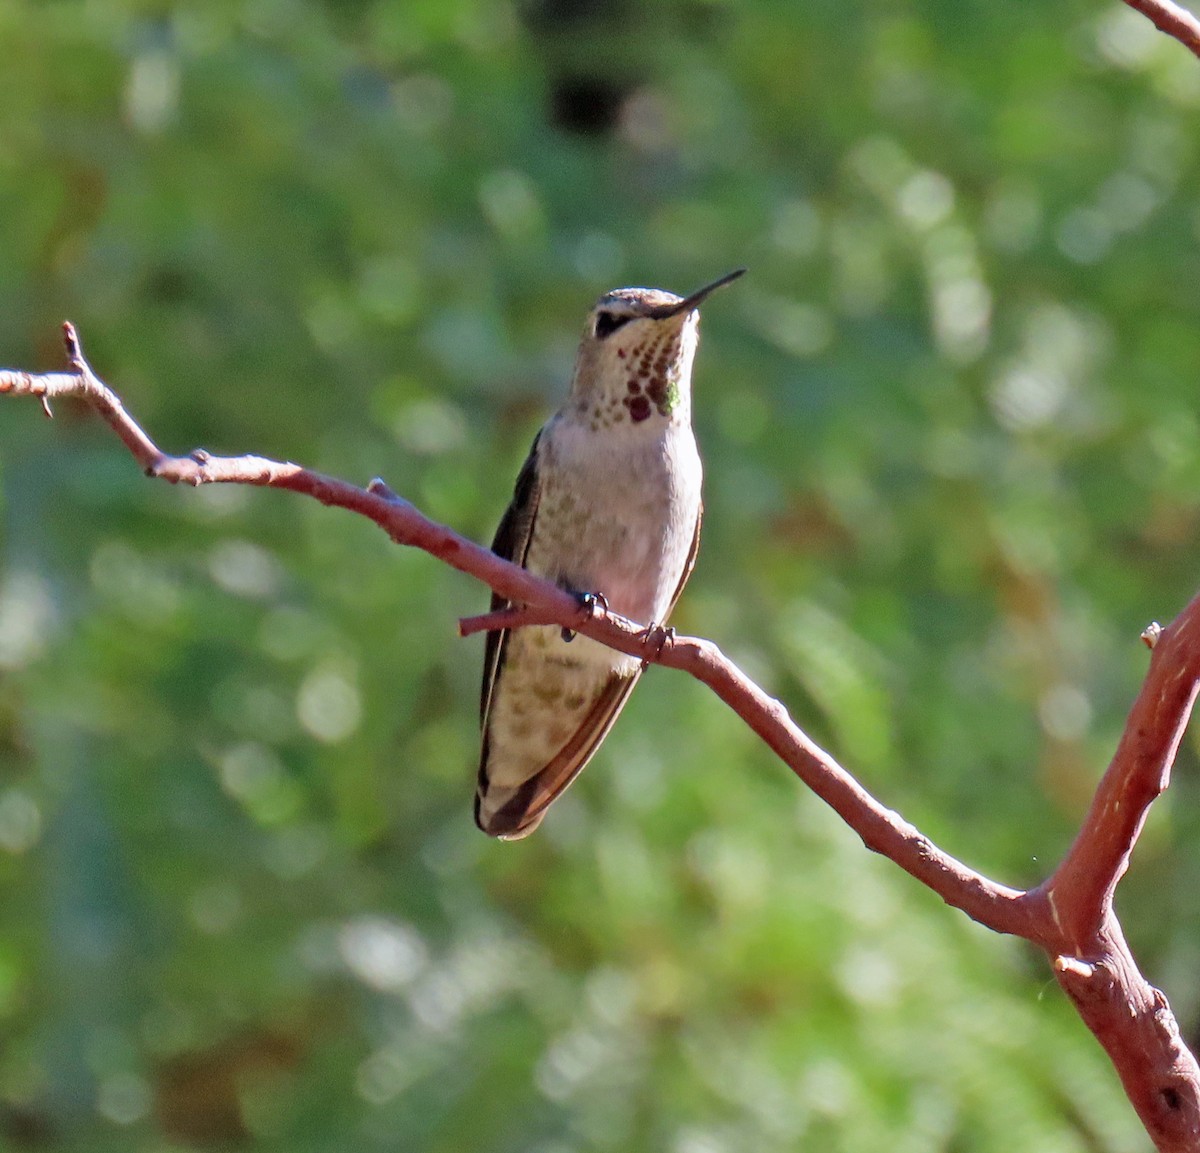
x: 512, y: 813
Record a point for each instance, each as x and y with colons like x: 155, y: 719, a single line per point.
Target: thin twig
x: 1081, y: 890
x: 1172, y: 19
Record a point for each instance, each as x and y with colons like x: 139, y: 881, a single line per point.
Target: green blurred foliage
x: 949, y: 424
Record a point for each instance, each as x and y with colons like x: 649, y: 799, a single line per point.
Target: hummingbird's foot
x: 588, y: 604
x: 658, y: 635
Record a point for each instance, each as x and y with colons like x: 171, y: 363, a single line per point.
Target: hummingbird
x: 608, y: 507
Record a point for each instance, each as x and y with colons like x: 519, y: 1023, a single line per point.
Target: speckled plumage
x: 609, y: 503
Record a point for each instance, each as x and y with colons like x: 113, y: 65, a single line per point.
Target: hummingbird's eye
x: 608, y: 322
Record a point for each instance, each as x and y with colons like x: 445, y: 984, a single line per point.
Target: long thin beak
x: 690, y: 303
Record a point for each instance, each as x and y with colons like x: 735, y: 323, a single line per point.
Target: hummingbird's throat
x: 653, y: 380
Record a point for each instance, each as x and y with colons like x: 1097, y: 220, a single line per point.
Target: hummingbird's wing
x: 689, y: 564
x: 512, y: 543
x: 522, y: 812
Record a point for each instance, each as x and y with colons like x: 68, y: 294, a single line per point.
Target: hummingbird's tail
x: 513, y: 810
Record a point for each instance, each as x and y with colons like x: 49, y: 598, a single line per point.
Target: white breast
x: 617, y: 512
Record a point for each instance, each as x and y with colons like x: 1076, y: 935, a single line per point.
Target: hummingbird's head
x: 635, y: 358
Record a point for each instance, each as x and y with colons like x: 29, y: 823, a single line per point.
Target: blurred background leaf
x: 950, y: 435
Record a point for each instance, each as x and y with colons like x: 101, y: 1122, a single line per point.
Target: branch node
x: 379, y: 487
x: 157, y: 468
x: 74, y: 348
x: 1074, y: 967
x: 1151, y: 634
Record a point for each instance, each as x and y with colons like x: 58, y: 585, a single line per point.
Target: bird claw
x: 589, y: 603
x: 658, y: 635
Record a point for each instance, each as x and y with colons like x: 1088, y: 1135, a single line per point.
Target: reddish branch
x: 1070, y: 916
x: 1171, y: 19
